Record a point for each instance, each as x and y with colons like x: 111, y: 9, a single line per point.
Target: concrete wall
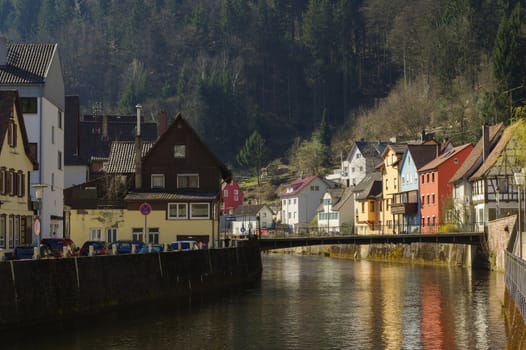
x: 32, y: 292
x: 499, y: 234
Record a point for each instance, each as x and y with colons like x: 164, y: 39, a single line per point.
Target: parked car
x: 183, y: 245
x: 99, y: 248
x: 26, y: 252
x: 125, y: 246
x: 58, y: 244
x: 156, y: 248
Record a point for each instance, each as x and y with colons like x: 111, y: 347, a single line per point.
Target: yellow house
x: 367, y: 199
x: 16, y: 161
x: 390, y: 168
x: 173, y: 193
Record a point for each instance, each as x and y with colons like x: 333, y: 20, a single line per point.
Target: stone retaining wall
x: 34, y: 291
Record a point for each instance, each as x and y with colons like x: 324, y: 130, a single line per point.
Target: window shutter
x: 2, y: 178
x: 8, y: 182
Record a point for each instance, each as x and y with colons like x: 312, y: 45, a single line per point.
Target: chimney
x: 104, y: 127
x: 138, y: 151
x: 485, y: 142
x: 3, y: 50
x: 163, y: 123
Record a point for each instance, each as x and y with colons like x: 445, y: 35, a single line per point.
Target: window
x: 358, y: 155
x: 386, y: 184
x: 361, y: 169
x: 177, y: 211
x: 284, y: 202
x: 20, y: 184
x: 53, y: 134
x: 352, y: 170
x: 433, y: 177
x: 59, y: 119
x: 59, y: 158
x: 95, y: 234
x: 428, y: 199
x: 422, y: 178
x: 158, y: 181
x: 11, y: 136
x: 12, y: 183
x: 11, y: 231
x: 111, y: 234
x: 225, y: 194
x: 3, y: 181
x: 427, y: 178
x: 363, y: 207
x: 294, y: 201
x: 290, y: 215
x: 187, y: 181
x: 422, y: 201
x: 52, y: 181
x: 433, y: 198
x: 180, y: 151
x: 236, y: 195
x: 29, y: 105
x: 153, y: 235
x: 17, y: 230
x: 199, y: 210
x: 137, y: 234
x: 2, y: 231
x: 371, y: 206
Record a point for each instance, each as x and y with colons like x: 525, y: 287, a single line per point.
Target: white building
x: 362, y: 160
x: 300, y: 200
x: 247, y: 217
x: 336, y: 212
x: 35, y: 71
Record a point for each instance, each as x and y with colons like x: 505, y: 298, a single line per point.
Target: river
x: 308, y: 302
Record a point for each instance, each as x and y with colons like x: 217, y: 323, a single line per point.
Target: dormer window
x: 180, y: 151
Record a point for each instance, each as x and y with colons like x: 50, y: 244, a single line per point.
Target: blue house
x: 406, y: 203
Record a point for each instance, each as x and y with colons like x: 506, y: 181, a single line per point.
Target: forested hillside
x: 373, y: 68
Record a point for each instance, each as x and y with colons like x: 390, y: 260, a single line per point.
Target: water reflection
x: 312, y: 303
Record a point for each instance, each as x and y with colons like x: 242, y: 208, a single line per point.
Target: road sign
x: 36, y: 226
x: 242, y: 229
x: 230, y: 218
x: 145, y: 209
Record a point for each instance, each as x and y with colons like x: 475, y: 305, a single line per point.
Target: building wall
x: 82, y: 220
x: 390, y: 186
x: 19, y: 207
x: 357, y: 166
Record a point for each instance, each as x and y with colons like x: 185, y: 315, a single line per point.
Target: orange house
x: 434, y: 190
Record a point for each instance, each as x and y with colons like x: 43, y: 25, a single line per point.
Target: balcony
x: 404, y: 208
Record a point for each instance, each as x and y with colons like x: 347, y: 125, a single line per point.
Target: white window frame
x: 153, y: 235
x: 95, y: 234
x: 160, y: 177
x: 111, y: 234
x: 194, y: 217
x: 177, y: 205
x: 137, y: 234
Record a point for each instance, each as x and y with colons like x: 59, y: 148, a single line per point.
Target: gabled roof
x: 249, y: 210
x: 496, y: 153
x: 8, y: 101
x: 371, y: 148
x: 336, y: 195
x: 398, y: 148
x: 179, y: 122
x: 370, y: 186
x: 298, y: 185
x: 347, y: 193
x: 27, y: 63
x: 422, y: 154
x: 122, y: 157
x: 474, y: 159
x: 441, y: 159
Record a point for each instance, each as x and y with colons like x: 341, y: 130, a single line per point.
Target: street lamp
x: 519, y: 180
x: 39, y: 194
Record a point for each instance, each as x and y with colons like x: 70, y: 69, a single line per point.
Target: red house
x: 435, y: 192
x: 231, y: 197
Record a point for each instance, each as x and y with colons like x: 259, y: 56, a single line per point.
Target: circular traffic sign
x: 242, y: 229
x: 36, y: 226
x: 145, y: 208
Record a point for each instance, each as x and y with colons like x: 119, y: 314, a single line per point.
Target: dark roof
x: 248, y: 210
x: 27, y: 64
x: 371, y: 148
x: 500, y: 148
x: 474, y: 159
x: 178, y: 122
x: 422, y: 154
x: 398, y: 148
x: 122, y: 157
x: 8, y: 99
x: 438, y: 161
x: 84, y: 137
x: 370, y: 186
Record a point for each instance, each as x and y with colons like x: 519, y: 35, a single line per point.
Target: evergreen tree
x: 253, y: 154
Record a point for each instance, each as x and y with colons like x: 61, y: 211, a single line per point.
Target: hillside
x: 235, y: 66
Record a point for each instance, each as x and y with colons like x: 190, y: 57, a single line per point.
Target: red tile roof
x: 297, y: 185
x: 435, y: 163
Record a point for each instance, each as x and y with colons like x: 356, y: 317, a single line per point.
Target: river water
x: 310, y: 302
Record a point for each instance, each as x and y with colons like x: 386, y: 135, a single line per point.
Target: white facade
x: 248, y: 223
x: 357, y: 166
x: 299, y: 208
